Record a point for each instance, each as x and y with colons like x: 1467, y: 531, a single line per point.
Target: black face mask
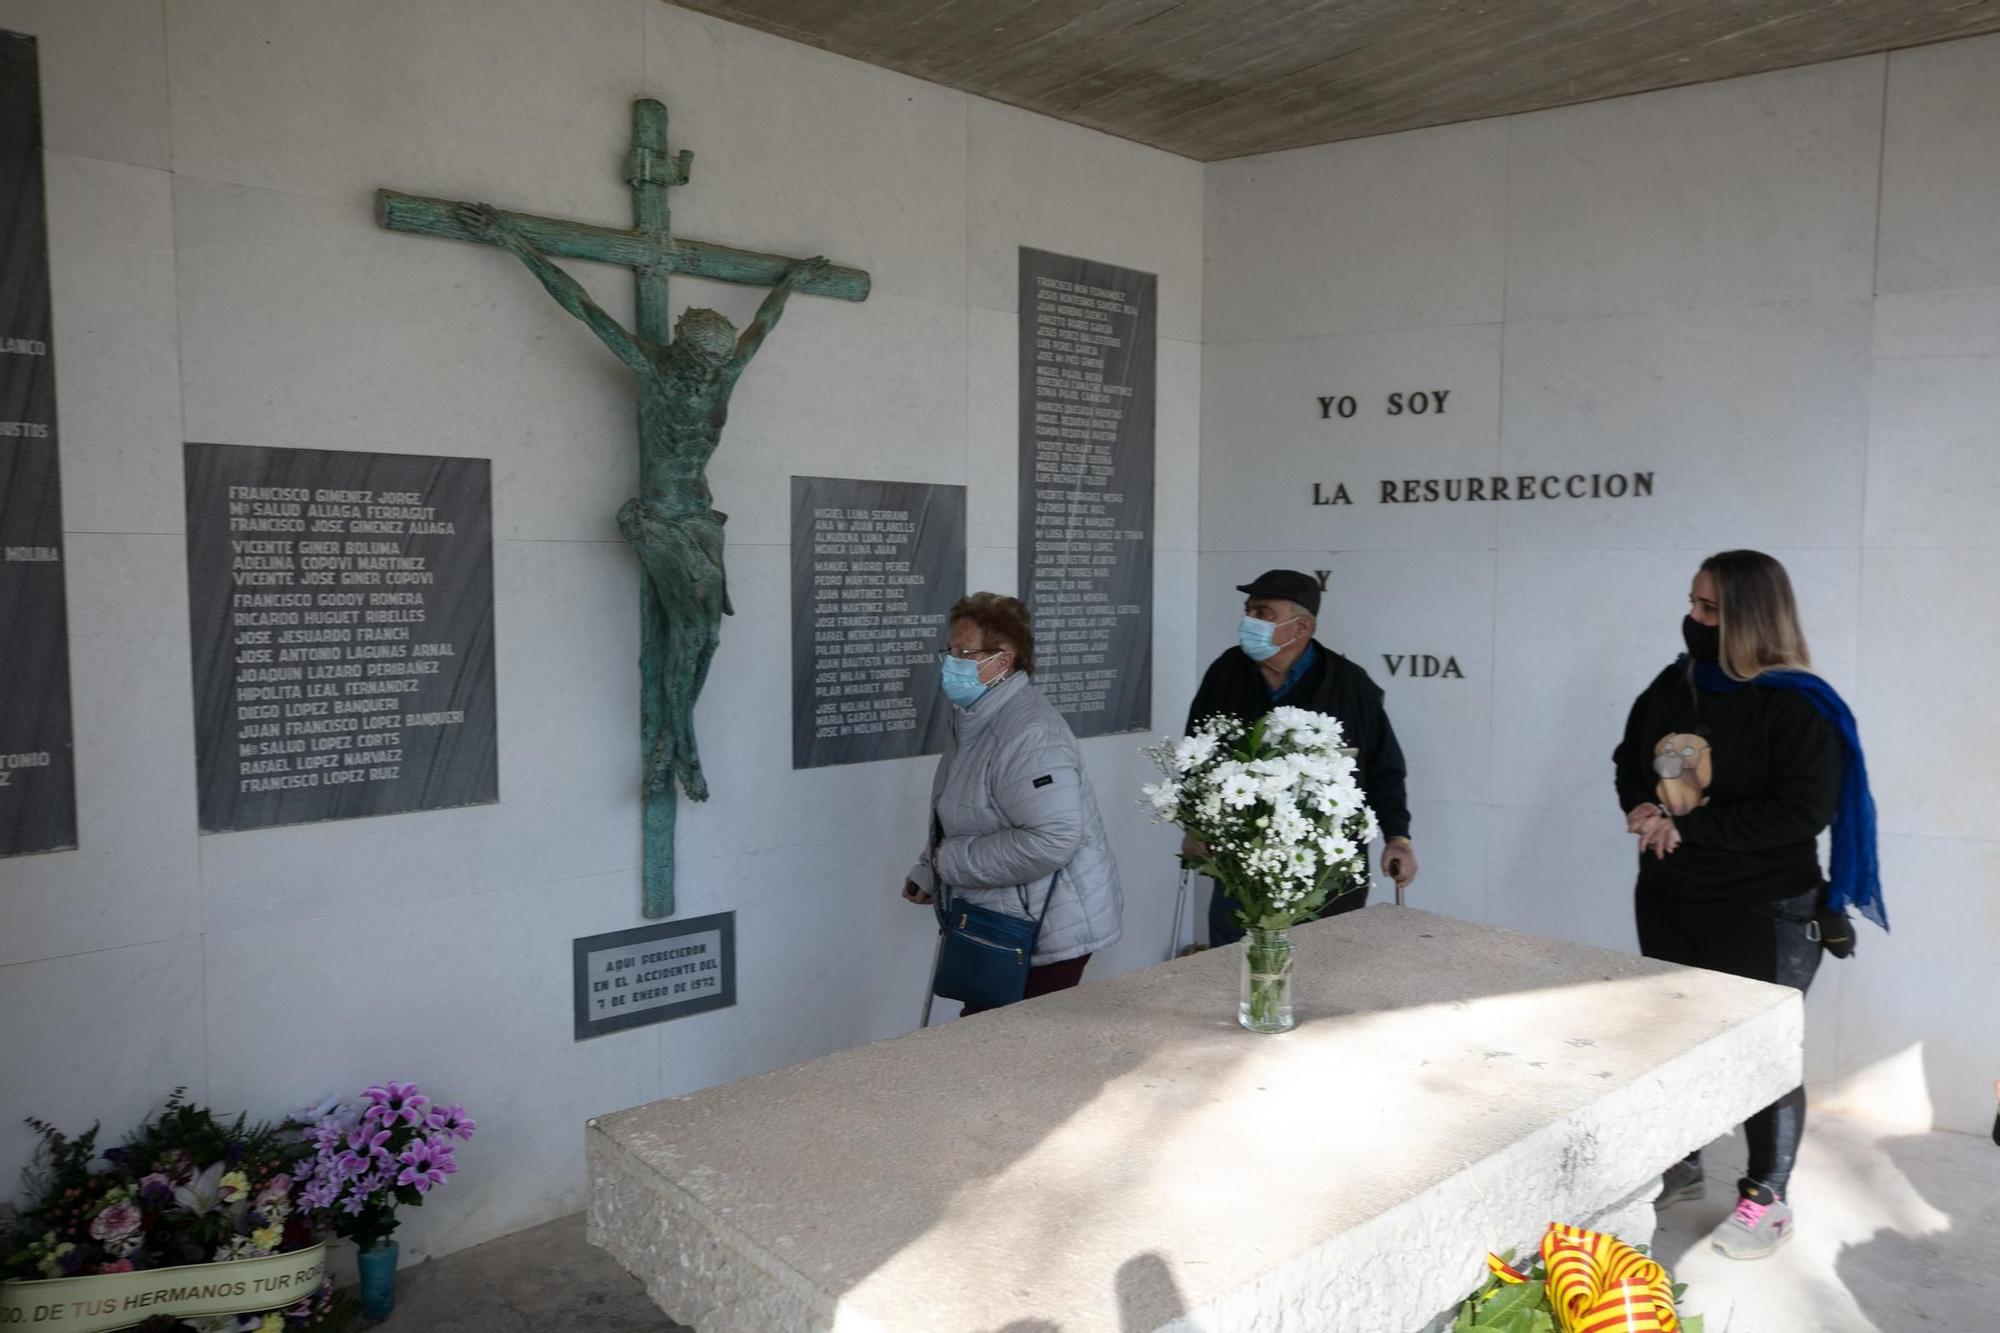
x: 1704, y: 642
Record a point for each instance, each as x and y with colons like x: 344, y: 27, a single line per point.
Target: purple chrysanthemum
x: 327, y: 1134
x: 451, y: 1120
x: 395, y: 1103
x: 442, y: 1154
x: 424, y: 1166
x: 363, y: 1151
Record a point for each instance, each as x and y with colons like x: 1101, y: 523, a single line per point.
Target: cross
x: 652, y: 252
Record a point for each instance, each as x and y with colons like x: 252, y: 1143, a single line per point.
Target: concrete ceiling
x: 1212, y: 79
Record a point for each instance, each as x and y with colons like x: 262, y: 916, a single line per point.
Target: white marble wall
x: 219, y: 276
x: 1780, y: 295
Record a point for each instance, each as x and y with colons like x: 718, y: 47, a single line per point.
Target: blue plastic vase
x: 378, y: 1280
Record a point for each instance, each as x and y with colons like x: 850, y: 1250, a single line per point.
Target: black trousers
x: 1769, y: 941
x: 1222, y: 929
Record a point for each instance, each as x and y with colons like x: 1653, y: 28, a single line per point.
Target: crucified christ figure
x: 672, y: 524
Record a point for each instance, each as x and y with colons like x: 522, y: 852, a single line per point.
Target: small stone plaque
x: 651, y: 974
x: 1088, y: 347
x: 876, y: 566
x: 37, y: 761
x: 342, y: 614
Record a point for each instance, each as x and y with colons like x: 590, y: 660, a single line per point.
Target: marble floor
x: 1897, y: 1232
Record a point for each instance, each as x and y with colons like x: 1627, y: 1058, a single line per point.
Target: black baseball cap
x: 1289, y: 584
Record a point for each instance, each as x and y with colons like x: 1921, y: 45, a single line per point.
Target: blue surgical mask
x: 960, y: 678
x: 1254, y: 637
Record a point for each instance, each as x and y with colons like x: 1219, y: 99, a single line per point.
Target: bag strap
x: 1053, y: 877
x: 941, y: 901
x: 942, y: 892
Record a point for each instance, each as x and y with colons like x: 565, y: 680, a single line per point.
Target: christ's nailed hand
x: 482, y: 220
x: 809, y: 270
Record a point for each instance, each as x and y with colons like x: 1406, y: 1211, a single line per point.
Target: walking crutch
x: 1180, y: 902
x: 930, y: 980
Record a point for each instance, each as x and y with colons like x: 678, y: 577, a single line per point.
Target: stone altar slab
x: 1124, y: 1157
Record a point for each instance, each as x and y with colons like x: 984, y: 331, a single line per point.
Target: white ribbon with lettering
x: 120, y: 1300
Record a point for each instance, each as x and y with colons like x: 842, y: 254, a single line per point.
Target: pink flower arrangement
x: 388, y: 1150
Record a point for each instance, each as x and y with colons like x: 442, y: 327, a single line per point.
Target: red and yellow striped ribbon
x: 1599, y: 1284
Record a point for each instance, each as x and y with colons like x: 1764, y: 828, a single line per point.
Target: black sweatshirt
x: 1762, y: 771
x: 1235, y: 685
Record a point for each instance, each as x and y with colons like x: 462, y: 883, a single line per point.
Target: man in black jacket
x: 1276, y: 661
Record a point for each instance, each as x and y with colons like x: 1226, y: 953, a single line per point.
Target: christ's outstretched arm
x: 485, y: 222
x: 767, y: 314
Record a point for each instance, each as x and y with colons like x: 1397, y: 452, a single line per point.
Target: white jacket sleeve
x: 1039, y: 791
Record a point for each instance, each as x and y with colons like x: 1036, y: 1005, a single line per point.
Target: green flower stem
x: 1270, y: 962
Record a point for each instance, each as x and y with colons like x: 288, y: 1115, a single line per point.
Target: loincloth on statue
x: 680, y: 546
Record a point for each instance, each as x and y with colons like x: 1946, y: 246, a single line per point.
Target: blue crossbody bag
x: 984, y: 955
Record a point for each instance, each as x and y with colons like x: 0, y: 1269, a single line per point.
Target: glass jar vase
x: 1265, y: 1004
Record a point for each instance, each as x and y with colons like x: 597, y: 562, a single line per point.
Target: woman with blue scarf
x: 1734, y: 760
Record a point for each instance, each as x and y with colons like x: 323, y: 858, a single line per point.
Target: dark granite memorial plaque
x: 630, y: 978
x: 37, y: 763
x: 1088, y: 352
x: 342, y: 608
x: 876, y: 566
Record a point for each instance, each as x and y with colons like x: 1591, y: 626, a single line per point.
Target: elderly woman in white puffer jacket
x: 1011, y: 804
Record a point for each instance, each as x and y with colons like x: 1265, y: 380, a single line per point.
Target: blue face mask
x: 961, y: 682
x: 1254, y: 637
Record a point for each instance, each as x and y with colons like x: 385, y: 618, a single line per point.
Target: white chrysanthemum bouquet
x: 1277, y: 807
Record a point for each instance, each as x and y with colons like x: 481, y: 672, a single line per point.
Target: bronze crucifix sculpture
x: 684, y: 386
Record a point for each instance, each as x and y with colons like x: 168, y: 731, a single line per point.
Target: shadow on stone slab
x: 547, y: 1277
x: 1148, y: 1295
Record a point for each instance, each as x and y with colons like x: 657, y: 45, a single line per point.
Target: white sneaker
x: 1761, y: 1223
